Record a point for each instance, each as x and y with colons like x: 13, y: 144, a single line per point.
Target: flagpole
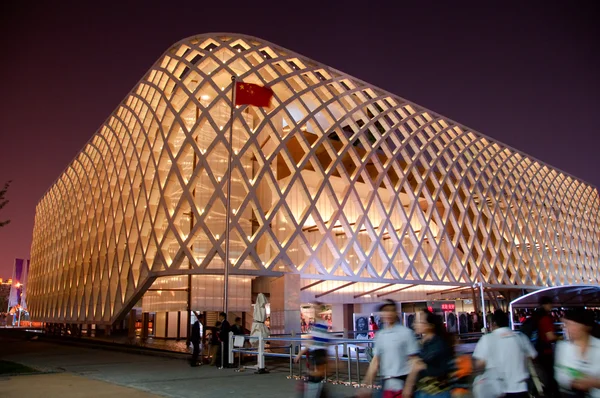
x: 228, y: 204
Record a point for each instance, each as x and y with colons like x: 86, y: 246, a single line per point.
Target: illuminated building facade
x: 347, y: 187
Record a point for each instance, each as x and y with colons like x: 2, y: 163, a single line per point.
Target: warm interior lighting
x: 415, y: 194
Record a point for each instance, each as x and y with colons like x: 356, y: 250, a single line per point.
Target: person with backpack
x: 503, y: 354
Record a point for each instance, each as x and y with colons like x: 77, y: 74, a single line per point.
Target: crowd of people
x: 423, y: 363
x: 217, y: 338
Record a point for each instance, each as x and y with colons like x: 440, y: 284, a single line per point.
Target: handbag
x: 488, y: 384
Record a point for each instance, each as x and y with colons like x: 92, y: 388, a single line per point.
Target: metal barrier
x: 293, y: 342
x: 349, y: 346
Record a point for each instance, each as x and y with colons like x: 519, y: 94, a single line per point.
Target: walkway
x: 89, y: 372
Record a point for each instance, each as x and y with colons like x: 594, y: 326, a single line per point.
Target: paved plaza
x: 73, y: 371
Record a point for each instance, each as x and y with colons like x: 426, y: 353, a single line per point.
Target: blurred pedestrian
x: 317, y: 353
x: 430, y: 374
x: 503, y: 354
x: 395, y: 349
x: 546, y: 337
x: 578, y: 360
x: 462, y: 371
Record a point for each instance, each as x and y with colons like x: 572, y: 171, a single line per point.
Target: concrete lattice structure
x: 337, y: 180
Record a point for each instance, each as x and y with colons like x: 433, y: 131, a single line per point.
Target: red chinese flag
x: 252, y: 94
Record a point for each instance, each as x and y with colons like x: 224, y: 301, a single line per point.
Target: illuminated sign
x: 441, y: 306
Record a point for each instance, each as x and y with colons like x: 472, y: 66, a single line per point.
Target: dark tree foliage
x: 3, y: 201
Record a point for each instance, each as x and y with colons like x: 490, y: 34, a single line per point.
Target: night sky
x: 526, y: 74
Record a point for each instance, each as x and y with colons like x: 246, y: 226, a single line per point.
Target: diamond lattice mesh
x: 337, y: 179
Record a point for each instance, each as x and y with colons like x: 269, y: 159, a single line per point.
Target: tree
x: 4, y: 202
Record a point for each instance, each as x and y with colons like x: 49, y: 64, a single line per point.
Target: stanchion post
x: 337, y: 360
x: 300, y: 362
x: 326, y: 363
x: 222, y: 355
x: 357, y: 366
x: 291, y: 362
x: 483, y: 306
x: 345, y: 337
x: 230, y: 353
x: 349, y: 356
x: 293, y: 341
x: 261, y: 353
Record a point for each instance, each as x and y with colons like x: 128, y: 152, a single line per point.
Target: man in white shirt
x: 395, y: 345
x: 504, y: 354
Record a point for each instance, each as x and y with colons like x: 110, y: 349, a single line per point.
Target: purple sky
x: 526, y: 74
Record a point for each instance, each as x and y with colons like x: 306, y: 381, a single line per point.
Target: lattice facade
x: 336, y: 180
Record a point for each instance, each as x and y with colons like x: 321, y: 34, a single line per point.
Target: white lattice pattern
x: 336, y: 180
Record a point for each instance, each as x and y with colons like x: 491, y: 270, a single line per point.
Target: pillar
x: 131, y: 324
x: 348, y: 317
x: 285, y: 304
x: 337, y: 317
x: 145, y: 325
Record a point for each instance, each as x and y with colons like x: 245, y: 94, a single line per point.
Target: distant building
x: 17, y: 294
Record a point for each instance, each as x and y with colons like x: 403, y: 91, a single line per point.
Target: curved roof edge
x: 564, y: 296
x: 242, y: 35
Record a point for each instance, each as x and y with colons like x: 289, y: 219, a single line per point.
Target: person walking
x: 195, y: 340
x: 430, y: 375
x: 317, y: 351
x: 577, y: 364
x: 503, y: 354
x: 546, y: 337
x: 395, y: 348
